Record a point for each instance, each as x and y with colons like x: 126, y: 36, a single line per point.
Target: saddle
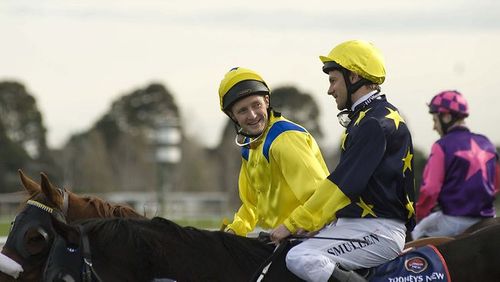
x: 426, y: 241
x: 419, y: 262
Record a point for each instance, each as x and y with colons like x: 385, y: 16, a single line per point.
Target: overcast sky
x: 76, y: 57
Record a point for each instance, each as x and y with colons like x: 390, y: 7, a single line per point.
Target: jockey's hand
x: 301, y: 232
x: 279, y: 233
x: 308, y: 233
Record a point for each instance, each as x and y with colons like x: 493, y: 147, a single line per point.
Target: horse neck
x: 92, y: 207
x: 185, y: 254
x: 131, y: 262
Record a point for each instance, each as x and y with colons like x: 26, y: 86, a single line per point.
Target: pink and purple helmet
x: 449, y: 101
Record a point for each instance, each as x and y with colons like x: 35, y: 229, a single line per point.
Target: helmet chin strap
x: 352, y: 87
x: 243, y: 136
x: 445, y: 126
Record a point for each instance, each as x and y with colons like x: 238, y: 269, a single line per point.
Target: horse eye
x: 36, y: 241
x: 36, y: 235
x: 41, y: 235
x: 37, y: 238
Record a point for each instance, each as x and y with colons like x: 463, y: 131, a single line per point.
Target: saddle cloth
x: 423, y: 264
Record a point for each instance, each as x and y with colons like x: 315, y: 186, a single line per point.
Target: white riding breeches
x: 439, y: 224
x: 315, y: 259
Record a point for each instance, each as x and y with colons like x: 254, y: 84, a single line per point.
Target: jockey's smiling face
x: 251, y: 113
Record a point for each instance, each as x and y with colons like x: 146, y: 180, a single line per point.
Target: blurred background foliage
x: 116, y: 153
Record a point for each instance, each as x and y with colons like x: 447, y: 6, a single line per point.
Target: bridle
x: 41, y: 223
x: 88, y: 270
x: 71, y: 262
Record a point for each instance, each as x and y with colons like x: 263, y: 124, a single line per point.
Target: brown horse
x: 28, y: 243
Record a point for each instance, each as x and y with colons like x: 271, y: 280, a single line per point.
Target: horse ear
x: 70, y: 233
x: 29, y: 184
x: 50, y: 191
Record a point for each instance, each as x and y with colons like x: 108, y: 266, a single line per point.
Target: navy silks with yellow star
x: 376, y: 165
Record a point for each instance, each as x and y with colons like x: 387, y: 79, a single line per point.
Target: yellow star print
x: 407, y: 161
x: 367, y: 209
x: 394, y: 115
x: 343, y: 138
x: 409, y: 207
x: 361, y: 116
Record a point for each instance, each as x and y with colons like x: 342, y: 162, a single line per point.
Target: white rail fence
x: 177, y: 204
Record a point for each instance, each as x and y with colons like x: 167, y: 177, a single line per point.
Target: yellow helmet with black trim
x: 239, y: 83
x: 358, y: 56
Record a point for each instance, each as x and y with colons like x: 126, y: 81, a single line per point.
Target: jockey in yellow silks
x: 281, y: 162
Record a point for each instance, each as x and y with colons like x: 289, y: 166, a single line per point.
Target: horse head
x: 70, y: 258
x: 66, y: 260
x: 31, y: 233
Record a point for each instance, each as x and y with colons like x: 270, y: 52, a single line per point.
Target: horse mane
x: 235, y: 245
x: 162, y: 246
x: 150, y: 232
x: 104, y: 208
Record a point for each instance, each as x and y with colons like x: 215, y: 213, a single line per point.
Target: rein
x: 65, y: 195
x: 262, y: 270
x: 88, y: 269
x: 266, y: 237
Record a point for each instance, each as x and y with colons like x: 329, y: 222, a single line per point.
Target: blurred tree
x: 118, y: 151
x: 227, y: 155
x: 197, y: 169
x: 299, y: 107
x: 22, y: 137
x: 86, y: 163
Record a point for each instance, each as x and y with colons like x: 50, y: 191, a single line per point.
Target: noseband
x: 40, y: 222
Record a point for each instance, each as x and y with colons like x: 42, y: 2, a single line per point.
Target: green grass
x: 200, y: 223
x: 4, y: 228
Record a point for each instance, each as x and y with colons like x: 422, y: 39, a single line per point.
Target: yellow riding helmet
x: 357, y: 56
x: 239, y: 83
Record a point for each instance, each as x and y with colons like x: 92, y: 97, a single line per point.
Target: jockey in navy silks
x: 371, y: 191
